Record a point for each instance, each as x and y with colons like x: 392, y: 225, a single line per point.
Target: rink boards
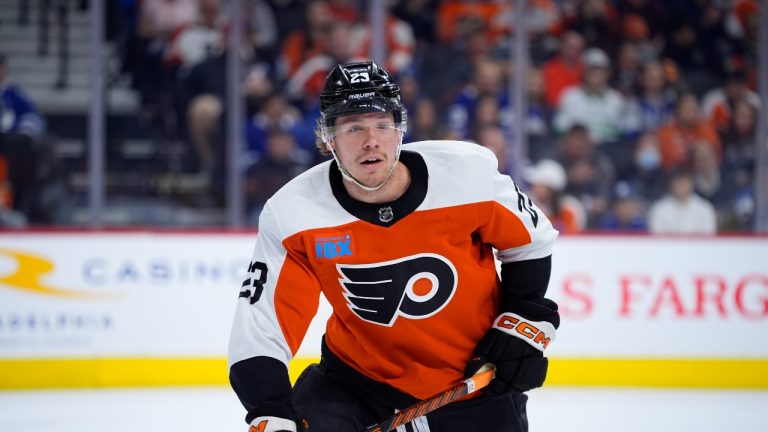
x: 89, y: 309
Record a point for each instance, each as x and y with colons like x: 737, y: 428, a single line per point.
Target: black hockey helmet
x: 360, y: 88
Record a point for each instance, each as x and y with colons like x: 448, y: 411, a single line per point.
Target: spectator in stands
x: 598, y: 21
x: 275, y: 114
x: 626, y: 74
x: 700, y: 65
x: 281, y: 162
x: 420, y: 15
x: 681, y: 211
x: 261, y: 26
x: 290, y: 16
x: 6, y: 190
x: 9, y: 218
x: 738, y: 139
x: 199, y: 40
x: 746, y: 14
x: 486, y: 109
x: 627, y: 213
x: 542, y: 16
x: 594, y: 103
x: 736, y: 203
x: 410, y: 87
x: 399, y: 42
x: 486, y: 113
x: 540, y: 134
x: 493, y: 137
x: 705, y: 172
x: 346, y: 10
x: 686, y: 130
x: 643, y: 19
x: 654, y: 104
x: 157, y: 21
x: 469, y: 48
x: 200, y: 97
x: 487, y: 81
x: 22, y: 129
x: 565, y: 69
x: 19, y: 115
x: 453, y: 14
x: 718, y: 103
x: 424, y: 122
x: 644, y: 175
x: 546, y: 183
x: 310, y: 40
x: 304, y: 86
x: 590, y: 173
x: 201, y: 105
x: 718, y: 33
x: 542, y: 22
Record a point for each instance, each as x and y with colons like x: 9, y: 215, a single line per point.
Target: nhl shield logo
x: 385, y: 214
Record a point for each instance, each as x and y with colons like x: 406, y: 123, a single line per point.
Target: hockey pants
x: 325, y: 402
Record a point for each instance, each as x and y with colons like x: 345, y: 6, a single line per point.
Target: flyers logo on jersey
x: 415, y: 287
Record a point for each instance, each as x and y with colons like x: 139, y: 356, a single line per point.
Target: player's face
x: 366, y: 145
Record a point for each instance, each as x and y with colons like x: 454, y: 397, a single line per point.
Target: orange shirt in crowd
x: 558, y: 75
x: 566, y: 221
x: 296, y: 49
x: 495, y: 15
x: 6, y: 198
x: 677, y: 141
x: 450, y: 12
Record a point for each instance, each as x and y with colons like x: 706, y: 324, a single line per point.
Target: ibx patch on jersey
x: 332, y: 246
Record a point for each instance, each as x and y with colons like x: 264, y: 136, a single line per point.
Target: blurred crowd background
x: 641, y: 115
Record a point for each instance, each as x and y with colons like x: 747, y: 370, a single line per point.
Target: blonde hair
x: 320, y: 143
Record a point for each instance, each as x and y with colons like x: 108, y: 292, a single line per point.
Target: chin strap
x: 348, y: 176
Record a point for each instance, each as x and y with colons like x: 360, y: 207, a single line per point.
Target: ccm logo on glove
x: 537, y: 334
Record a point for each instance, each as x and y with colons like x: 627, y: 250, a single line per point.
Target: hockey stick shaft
x: 469, y: 385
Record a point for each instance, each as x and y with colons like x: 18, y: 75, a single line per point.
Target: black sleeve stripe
x: 263, y: 387
x: 526, y: 279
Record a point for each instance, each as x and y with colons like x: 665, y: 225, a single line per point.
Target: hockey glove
x: 515, y: 345
x: 272, y: 424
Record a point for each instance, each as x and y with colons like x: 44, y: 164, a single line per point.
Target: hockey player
x: 400, y: 240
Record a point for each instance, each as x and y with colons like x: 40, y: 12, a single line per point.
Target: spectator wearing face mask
x: 645, y: 174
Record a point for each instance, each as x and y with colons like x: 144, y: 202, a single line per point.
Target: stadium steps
x: 147, y: 179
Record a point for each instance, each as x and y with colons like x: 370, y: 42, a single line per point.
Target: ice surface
x: 552, y: 409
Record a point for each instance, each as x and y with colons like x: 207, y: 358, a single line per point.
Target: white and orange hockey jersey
x: 413, y: 283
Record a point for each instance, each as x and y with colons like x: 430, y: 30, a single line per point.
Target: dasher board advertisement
x: 134, y: 308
